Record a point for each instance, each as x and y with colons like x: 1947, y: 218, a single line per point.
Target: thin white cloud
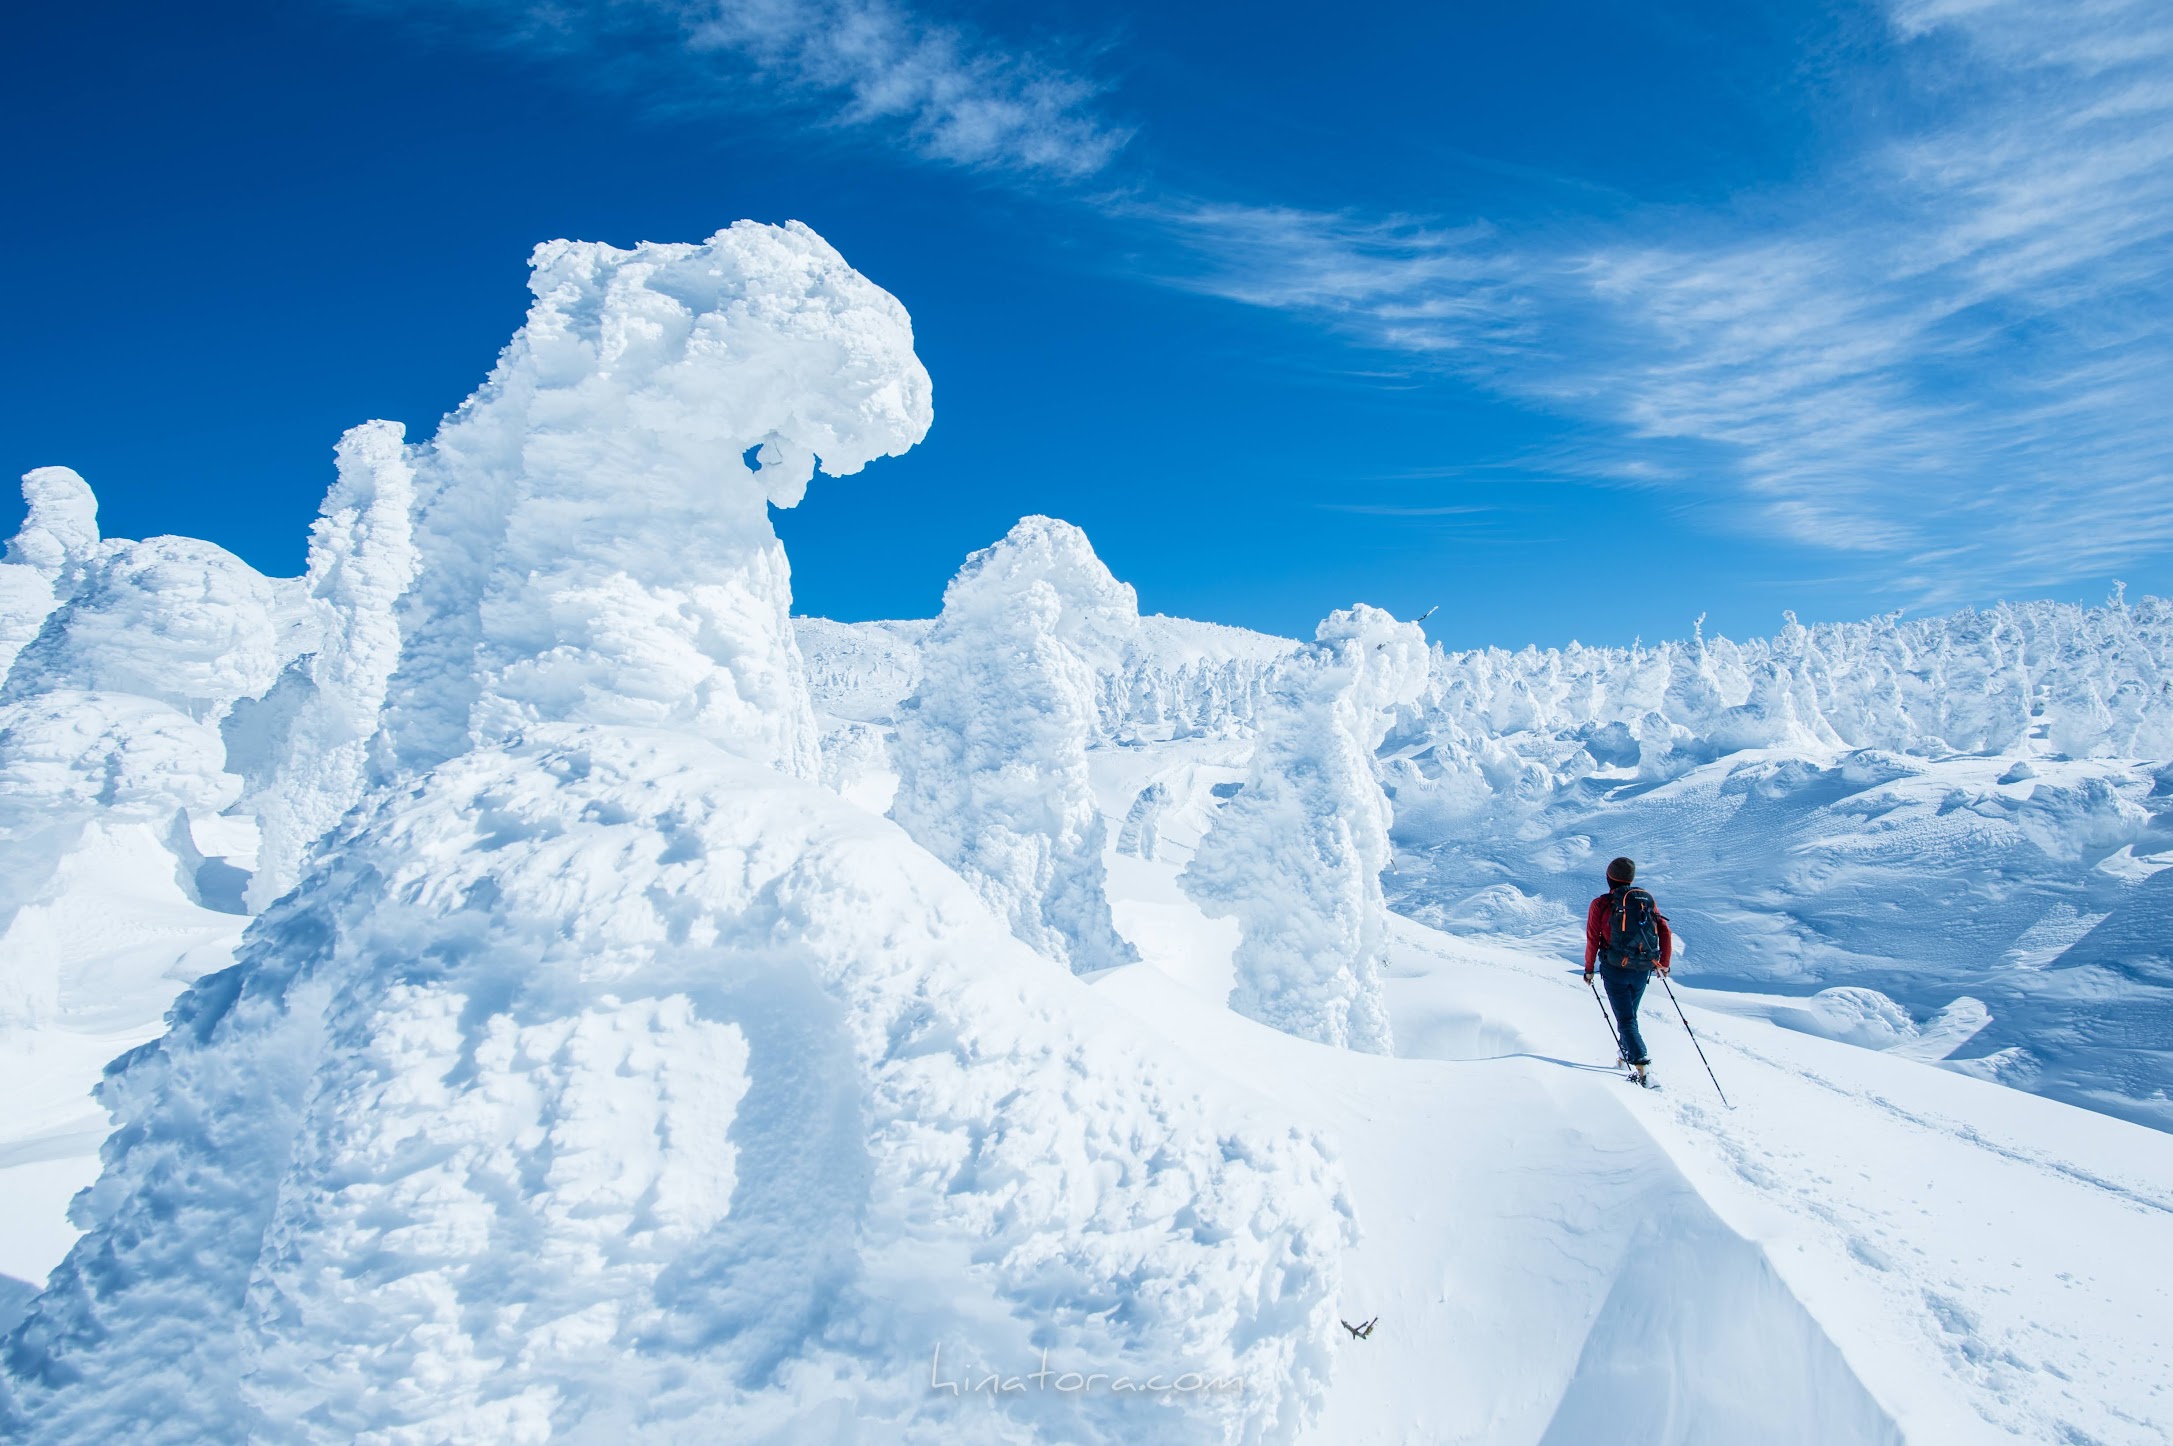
x: 1948, y: 357
x: 1952, y: 357
x: 1969, y: 367
x: 1391, y: 282
x: 945, y: 91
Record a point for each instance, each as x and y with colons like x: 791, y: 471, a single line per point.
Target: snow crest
x: 992, y: 747
x: 1296, y: 856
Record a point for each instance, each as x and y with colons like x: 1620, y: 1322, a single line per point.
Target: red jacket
x: 1595, y: 930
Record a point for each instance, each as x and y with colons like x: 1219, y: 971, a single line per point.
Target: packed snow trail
x: 1517, y: 1231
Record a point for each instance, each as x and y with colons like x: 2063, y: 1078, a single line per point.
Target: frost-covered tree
x: 305, y: 746
x: 992, y: 748
x: 610, y: 1078
x: 593, y: 523
x: 172, y: 618
x: 109, y: 715
x: 60, y: 529
x: 1296, y: 856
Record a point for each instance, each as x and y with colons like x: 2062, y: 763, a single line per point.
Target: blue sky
x: 1577, y: 320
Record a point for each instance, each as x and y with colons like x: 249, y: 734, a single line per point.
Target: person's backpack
x: 1633, y: 930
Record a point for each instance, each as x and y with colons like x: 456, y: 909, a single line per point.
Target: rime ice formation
x: 2035, y: 677
x: 992, y: 748
x: 60, y: 527
x: 1175, y: 678
x: 60, y: 522
x: 604, y: 1076
x: 593, y: 547
x: 1186, y: 679
x: 109, y: 745
x: 171, y: 618
x: 304, y: 747
x: 85, y: 771
x: 615, y: 1085
x: 1296, y: 856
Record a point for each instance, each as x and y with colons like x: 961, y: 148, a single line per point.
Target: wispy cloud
x: 1956, y: 362
x: 1951, y: 357
x: 1392, y: 282
x: 946, y: 92
x: 1946, y: 356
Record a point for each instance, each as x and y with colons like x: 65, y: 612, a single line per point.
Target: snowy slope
x: 1956, y: 887
x: 1933, y: 811
x: 1887, y: 1249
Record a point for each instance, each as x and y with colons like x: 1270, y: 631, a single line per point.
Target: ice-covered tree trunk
x: 992, y: 747
x: 1296, y: 856
x: 305, y: 746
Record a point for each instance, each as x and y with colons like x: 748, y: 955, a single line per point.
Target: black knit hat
x: 1621, y: 871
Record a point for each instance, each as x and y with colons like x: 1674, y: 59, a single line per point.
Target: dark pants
x: 1625, y: 987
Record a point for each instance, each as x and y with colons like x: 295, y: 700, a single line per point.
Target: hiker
x: 1626, y: 932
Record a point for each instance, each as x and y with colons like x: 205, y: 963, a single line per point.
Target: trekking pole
x: 1694, y: 1040
x: 1613, y: 1033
